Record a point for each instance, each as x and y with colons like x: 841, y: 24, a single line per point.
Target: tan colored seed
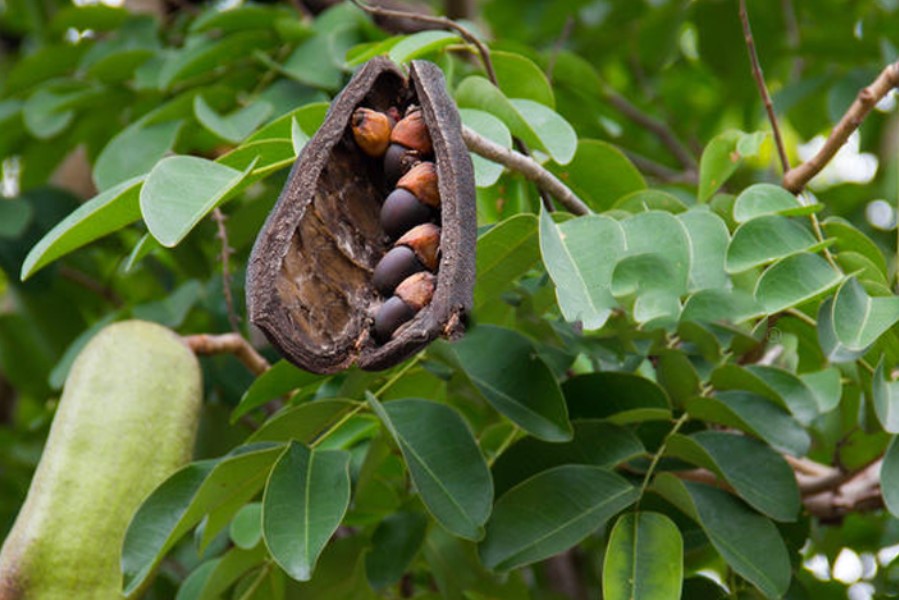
x: 417, y: 290
x: 371, y: 130
x: 412, y: 132
x: 424, y: 240
x: 421, y: 180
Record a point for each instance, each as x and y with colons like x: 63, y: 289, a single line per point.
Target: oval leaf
x: 749, y: 542
x: 766, y: 239
x: 889, y: 477
x: 572, y: 501
x: 181, y: 190
x: 886, y: 399
x: 767, y: 199
x: 434, y: 441
x: 615, y: 396
x: 644, y: 559
x: 486, y: 172
x: 579, y: 256
x: 307, y: 494
x: 505, y: 367
x: 859, y: 319
x: 600, y: 174
x: 795, y: 280
x: 504, y: 253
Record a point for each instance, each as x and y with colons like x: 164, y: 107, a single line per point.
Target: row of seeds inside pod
x: 405, y: 275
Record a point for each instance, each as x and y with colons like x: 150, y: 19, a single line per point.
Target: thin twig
x: 763, y: 89
x: 228, y: 343
x: 219, y: 217
x: 531, y: 169
x: 557, y: 47
x: 441, y: 22
x: 89, y: 283
x: 659, y: 453
x: 661, y: 130
x: 660, y: 171
x: 795, y: 179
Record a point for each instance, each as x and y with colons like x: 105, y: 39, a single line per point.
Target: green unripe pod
x: 126, y: 420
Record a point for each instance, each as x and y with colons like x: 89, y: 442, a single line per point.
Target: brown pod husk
x: 309, y: 278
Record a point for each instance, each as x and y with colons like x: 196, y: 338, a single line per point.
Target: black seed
x: 397, y: 161
x: 402, y: 211
x: 391, y: 315
x: 396, y: 265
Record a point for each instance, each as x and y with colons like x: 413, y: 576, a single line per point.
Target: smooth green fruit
x: 126, y: 420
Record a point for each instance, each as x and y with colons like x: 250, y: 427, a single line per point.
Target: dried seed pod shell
x: 371, y: 130
x: 309, y: 278
x: 421, y: 180
x: 412, y: 132
x: 425, y: 241
x: 417, y: 290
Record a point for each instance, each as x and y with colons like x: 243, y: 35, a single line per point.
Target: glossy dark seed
x: 391, y: 315
x: 397, y: 160
x: 402, y: 211
x: 395, y: 266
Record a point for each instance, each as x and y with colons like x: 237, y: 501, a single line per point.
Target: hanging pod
x: 310, y: 285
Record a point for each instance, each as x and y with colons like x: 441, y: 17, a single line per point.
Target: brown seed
x: 412, y: 132
x: 417, y: 290
x: 425, y: 241
x: 421, y: 180
x: 402, y: 211
x: 371, y: 129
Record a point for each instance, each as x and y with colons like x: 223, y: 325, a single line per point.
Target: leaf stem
x: 504, y: 446
x: 263, y: 573
x: 658, y: 455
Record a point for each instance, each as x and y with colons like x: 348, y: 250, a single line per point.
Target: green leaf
x: 779, y: 385
x: 889, y: 477
x: 205, y: 55
x: 171, y: 310
x: 180, y: 191
x: 600, y: 174
x: 749, y: 542
x: 362, y: 53
x: 646, y: 200
x: 720, y: 306
x: 236, y: 126
x: 420, y: 44
x: 617, y: 397
x: 721, y: 158
x: 795, y: 280
x: 539, y: 127
x: 486, y: 172
x: 708, y: 237
x: 298, y: 137
x: 644, y: 559
x: 663, y: 237
x: 885, y: 403
x: 834, y: 350
x: 134, y: 151
x: 159, y: 522
x: 309, y: 118
x: 595, y: 443
x: 233, y: 565
x: 101, y: 215
x: 765, y: 239
x: 504, y: 253
x: 519, y: 77
x: 764, y: 199
x: 279, y: 380
x: 246, y: 528
x: 14, y: 218
x: 743, y: 462
x: 217, y: 488
x: 43, y: 114
x: 318, y: 61
x: 580, y: 255
x: 434, y: 441
x: 826, y: 386
x: 572, y: 501
x: 395, y: 542
x: 505, y: 367
x: 677, y: 375
x: 755, y: 415
x: 305, y: 422
x: 850, y: 239
x: 306, y: 496
x: 859, y: 319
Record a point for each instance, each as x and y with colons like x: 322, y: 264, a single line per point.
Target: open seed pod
x: 309, y: 279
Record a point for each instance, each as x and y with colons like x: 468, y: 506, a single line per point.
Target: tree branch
x: 442, y: 23
x: 531, y: 169
x: 229, y: 343
x: 661, y: 130
x: 763, y: 89
x: 795, y: 179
